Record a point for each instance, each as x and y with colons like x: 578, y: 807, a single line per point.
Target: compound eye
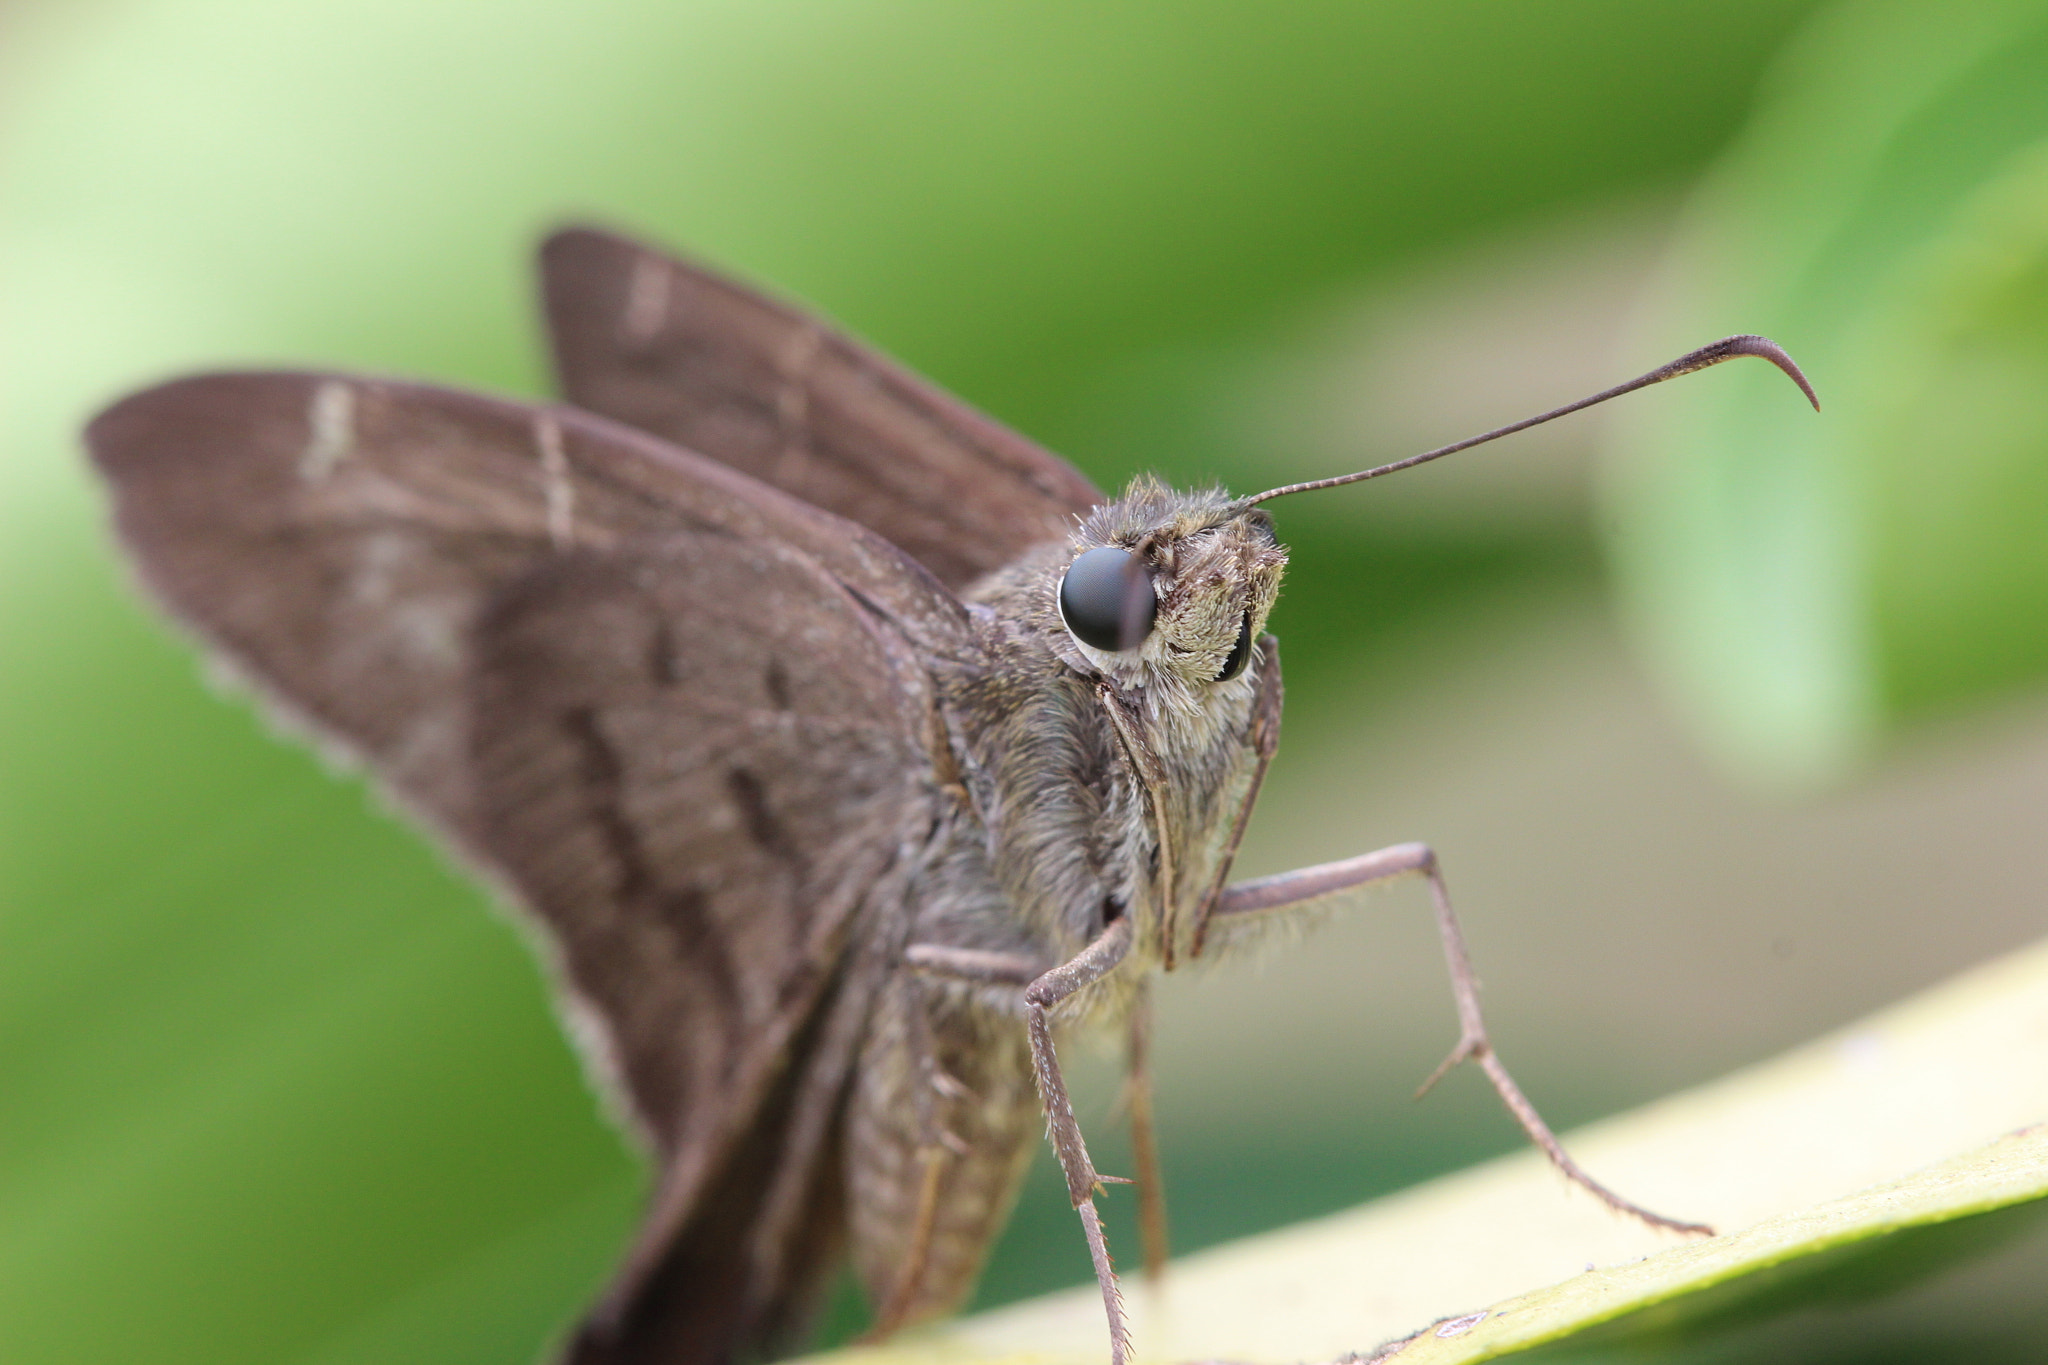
x: 1241, y: 652
x: 1107, y: 599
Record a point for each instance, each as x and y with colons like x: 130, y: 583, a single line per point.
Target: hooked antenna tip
x: 1730, y: 347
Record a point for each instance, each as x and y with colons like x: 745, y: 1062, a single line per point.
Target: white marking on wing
x: 793, y: 398
x: 646, y: 299
x: 793, y: 403
x: 554, y: 468
x: 331, y: 427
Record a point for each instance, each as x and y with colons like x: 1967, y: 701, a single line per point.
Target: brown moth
x: 846, y: 748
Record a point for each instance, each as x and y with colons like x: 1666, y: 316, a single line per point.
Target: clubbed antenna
x: 1728, y: 348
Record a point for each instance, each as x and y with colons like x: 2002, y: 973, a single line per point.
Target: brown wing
x: 676, y: 350
x: 606, y: 669
x: 696, y: 761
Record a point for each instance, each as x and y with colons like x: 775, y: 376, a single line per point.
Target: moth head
x: 1171, y: 590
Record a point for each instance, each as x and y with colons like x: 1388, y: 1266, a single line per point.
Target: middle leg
x: 1042, y: 995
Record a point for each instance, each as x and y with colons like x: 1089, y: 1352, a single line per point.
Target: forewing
x: 335, y: 538
x: 682, y: 717
x: 676, y: 350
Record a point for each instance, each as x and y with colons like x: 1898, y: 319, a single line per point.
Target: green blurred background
x: 1726, y: 736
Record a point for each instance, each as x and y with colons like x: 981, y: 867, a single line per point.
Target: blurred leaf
x: 1780, y: 1156
x: 1810, y: 584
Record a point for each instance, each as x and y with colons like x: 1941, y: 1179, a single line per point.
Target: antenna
x: 1728, y: 348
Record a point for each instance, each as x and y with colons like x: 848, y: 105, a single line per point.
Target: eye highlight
x: 1241, y: 652
x: 1107, y: 599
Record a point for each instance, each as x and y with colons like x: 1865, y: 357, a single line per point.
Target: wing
x: 678, y: 351
x: 682, y: 718
x: 697, y: 763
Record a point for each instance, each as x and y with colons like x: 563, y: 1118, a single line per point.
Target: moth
x: 846, y: 749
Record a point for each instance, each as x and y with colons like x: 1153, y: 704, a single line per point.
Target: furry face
x: 1214, y: 570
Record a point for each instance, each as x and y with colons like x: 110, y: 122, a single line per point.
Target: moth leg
x: 1042, y: 995
x: 938, y: 1129
x: 974, y: 964
x: 1145, y: 1136
x: 1312, y: 890
x: 1090, y: 965
x: 1265, y: 738
x: 935, y: 1144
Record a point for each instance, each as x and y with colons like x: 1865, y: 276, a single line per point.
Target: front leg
x: 1041, y: 996
x: 1329, y: 886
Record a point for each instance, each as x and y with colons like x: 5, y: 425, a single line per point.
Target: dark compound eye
x: 1241, y: 652
x: 1107, y: 600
